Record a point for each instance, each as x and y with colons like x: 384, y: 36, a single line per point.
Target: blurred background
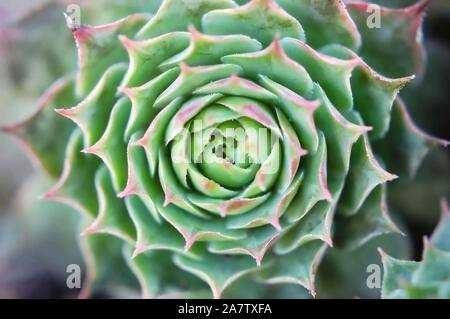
x: 38, y: 239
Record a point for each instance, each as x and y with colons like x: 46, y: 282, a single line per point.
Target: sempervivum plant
x: 159, y: 139
x: 429, y: 278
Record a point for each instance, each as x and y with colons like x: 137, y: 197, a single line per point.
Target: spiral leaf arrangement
x: 153, y: 139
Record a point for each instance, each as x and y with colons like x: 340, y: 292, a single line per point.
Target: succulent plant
x: 429, y: 278
x: 169, y: 195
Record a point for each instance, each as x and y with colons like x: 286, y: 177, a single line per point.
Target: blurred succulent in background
x: 426, y: 99
x: 156, y: 199
x: 429, y: 278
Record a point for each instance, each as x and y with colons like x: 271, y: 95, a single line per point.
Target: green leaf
x: 316, y: 224
x: 75, y: 186
x: 441, y: 234
x: 324, y: 22
x: 298, y: 267
x: 332, y: 74
x: 45, y: 134
x: 238, y: 86
x: 160, y: 278
x: 111, y: 147
x: 394, y: 48
x: 371, y: 220
x: 273, y: 63
x: 142, y: 99
x: 99, y: 48
x: 112, y: 217
x: 218, y: 271
x: 207, y: 49
x: 405, y: 145
x: 395, y: 272
x: 104, y: 261
x: 315, y: 187
x: 259, y: 19
x: 92, y: 114
x: 191, y: 78
x: 146, y: 56
x: 299, y: 110
x: 364, y: 175
x: 177, y: 15
x: 256, y: 243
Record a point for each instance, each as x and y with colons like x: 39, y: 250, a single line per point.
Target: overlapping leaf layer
x: 128, y: 157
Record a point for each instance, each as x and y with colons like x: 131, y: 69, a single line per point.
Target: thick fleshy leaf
x: 428, y: 278
x: 256, y: 243
x: 292, y: 152
x: 299, y: 111
x: 276, y: 65
x: 315, y: 187
x: 364, y: 175
x: 373, y: 94
x: 252, y: 109
x: 194, y: 228
x: 209, y: 117
x: 441, y: 235
x: 99, y: 48
x: 160, y: 278
x: 331, y: 73
x: 237, y: 86
x: 405, y: 145
x: 179, y: 156
x: 45, y: 134
x: 396, y: 39
x: 173, y: 191
x: 340, y: 133
x: 151, y: 235
x: 175, y: 15
x: 92, y: 114
x: 191, y: 78
x: 267, y: 174
x: 76, y: 185
x: 434, y: 267
x: 298, y: 267
x: 207, y: 186
x: 226, y: 173
x: 153, y: 138
x: 270, y: 212
x: 142, y: 99
x: 371, y: 220
x: 396, y: 271
x: 102, y: 254
x: 259, y: 19
x: 324, y: 22
x: 218, y: 271
x: 316, y: 224
x: 234, y: 206
x: 207, y: 49
x: 112, y: 217
x: 146, y: 56
x: 427, y: 291
x: 139, y: 181
x: 146, y: 271
x: 111, y: 147
x: 186, y: 112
